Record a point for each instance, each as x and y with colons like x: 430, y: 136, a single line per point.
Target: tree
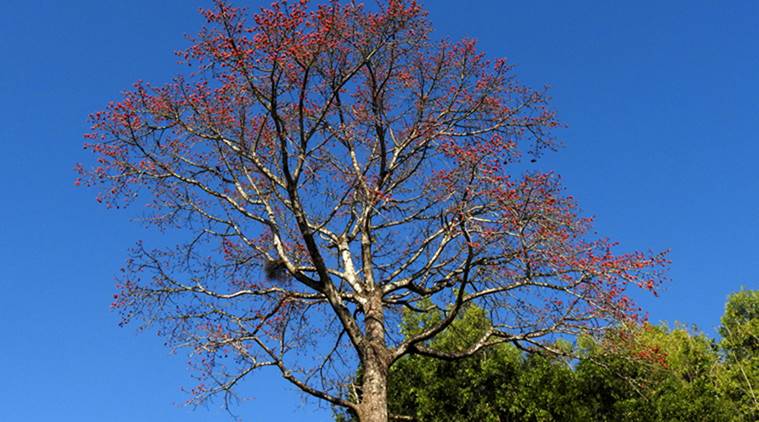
x: 740, y: 345
x: 640, y: 373
x: 500, y: 383
x: 653, y: 374
x: 324, y: 168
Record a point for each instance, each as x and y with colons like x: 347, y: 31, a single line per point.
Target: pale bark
x: 373, y: 406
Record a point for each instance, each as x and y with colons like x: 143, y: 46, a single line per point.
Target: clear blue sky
x: 661, y: 99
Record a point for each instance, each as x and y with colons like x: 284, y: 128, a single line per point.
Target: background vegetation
x: 639, y: 373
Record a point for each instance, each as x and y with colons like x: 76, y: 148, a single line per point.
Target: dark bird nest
x: 275, y: 270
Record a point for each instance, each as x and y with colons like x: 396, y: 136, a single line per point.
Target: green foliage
x: 740, y: 345
x: 641, y: 373
x: 423, y: 386
x: 652, y: 374
x: 740, y: 325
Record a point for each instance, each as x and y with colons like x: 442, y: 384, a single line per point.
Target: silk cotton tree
x: 323, y: 168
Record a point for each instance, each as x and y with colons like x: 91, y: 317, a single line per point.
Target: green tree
x: 652, y: 373
x: 639, y: 373
x: 740, y: 345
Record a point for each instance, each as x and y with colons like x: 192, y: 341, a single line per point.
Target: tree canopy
x: 322, y: 168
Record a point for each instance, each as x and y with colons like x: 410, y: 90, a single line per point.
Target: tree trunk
x: 373, y: 407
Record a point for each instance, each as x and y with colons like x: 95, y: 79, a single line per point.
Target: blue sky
x: 660, y: 99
